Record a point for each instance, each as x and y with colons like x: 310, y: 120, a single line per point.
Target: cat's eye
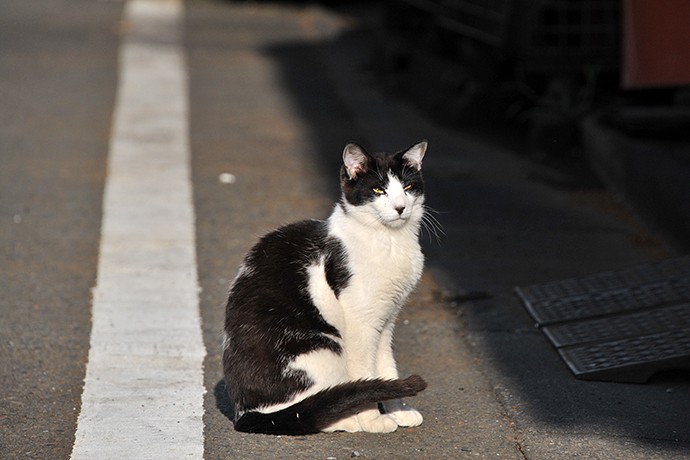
x: 407, y: 187
x: 378, y: 191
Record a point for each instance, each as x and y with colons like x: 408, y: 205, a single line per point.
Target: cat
x: 310, y: 315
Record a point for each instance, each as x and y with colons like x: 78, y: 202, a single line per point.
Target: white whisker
x: 431, y: 225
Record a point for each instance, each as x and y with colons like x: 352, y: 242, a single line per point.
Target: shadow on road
x: 503, y: 229
x: 223, y: 402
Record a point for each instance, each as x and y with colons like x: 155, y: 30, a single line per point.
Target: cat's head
x: 384, y: 188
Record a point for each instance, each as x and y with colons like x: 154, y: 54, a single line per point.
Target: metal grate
x: 634, y: 360
x: 622, y: 326
x: 610, y: 328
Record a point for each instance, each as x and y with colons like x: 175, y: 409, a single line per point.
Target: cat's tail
x: 326, y: 407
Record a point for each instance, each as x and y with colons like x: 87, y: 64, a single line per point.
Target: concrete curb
x: 653, y: 175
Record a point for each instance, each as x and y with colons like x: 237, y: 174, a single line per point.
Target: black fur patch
x: 270, y: 318
x: 337, y: 273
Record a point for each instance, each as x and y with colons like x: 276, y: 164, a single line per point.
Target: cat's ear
x: 413, y: 156
x: 355, y: 160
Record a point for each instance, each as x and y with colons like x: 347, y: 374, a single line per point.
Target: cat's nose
x: 400, y: 209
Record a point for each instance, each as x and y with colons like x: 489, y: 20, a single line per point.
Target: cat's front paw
x: 403, y: 414
x: 407, y: 416
x: 372, y: 421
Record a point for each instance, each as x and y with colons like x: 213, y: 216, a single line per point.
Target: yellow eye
x: 378, y: 191
x: 407, y: 187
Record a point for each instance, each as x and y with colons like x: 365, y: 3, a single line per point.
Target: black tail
x: 321, y: 410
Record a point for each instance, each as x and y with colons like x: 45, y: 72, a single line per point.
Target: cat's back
x: 277, y: 256
x: 276, y: 267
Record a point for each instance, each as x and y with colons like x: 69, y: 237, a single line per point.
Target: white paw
x: 350, y: 425
x: 372, y: 421
x: 403, y: 414
x: 407, y: 417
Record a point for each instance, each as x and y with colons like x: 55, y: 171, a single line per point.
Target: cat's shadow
x: 223, y: 402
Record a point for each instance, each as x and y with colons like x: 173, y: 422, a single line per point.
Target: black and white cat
x: 310, y: 315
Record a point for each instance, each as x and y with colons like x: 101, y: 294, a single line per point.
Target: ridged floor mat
x: 619, y: 325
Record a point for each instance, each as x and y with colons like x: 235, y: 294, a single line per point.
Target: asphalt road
x: 275, y: 92
x: 59, y: 69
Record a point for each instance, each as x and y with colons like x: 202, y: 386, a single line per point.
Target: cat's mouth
x: 397, y: 221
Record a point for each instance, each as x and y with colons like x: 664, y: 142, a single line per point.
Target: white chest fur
x: 385, y: 264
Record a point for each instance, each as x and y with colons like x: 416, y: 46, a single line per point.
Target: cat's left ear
x: 413, y: 156
x: 355, y: 160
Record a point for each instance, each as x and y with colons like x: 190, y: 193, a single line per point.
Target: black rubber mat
x: 622, y: 325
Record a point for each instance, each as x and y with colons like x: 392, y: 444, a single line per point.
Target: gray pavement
x: 275, y: 93
x: 57, y: 85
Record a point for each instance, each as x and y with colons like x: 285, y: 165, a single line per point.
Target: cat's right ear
x: 355, y: 160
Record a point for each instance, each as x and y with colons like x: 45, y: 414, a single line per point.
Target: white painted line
x: 143, y: 391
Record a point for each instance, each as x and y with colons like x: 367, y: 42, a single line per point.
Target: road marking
x: 143, y: 391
